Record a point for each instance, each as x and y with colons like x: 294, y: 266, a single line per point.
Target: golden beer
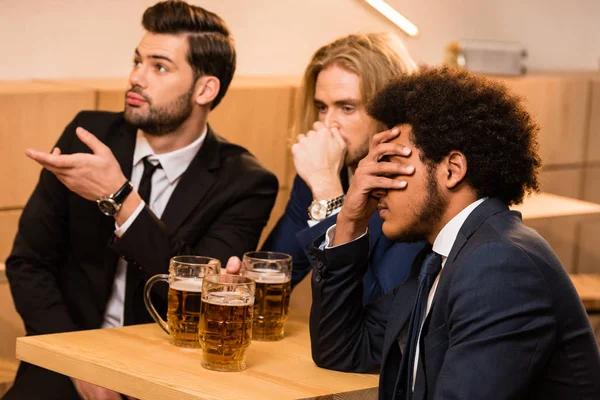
x: 183, y: 312
x: 225, y: 330
x: 185, y: 278
x: 271, y: 303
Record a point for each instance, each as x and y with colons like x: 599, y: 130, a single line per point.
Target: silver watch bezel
x: 318, y: 210
x: 114, y: 206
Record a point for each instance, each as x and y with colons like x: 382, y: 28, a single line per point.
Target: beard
x: 428, y: 215
x: 353, y: 157
x: 160, y: 120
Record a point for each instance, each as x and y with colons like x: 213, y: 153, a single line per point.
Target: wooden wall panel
x: 258, y: 118
x: 9, y: 221
x: 559, y: 104
x: 593, y: 144
x: 32, y: 115
x: 589, y: 247
x: 561, y: 233
x: 109, y: 92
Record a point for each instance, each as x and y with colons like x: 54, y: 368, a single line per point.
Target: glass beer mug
x: 185, y: 288
x: 225, y: 328
x: 272, y: 273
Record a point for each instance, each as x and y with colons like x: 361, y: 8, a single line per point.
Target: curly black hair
x: 451, y: 109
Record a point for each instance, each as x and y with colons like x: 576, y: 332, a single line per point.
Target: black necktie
x: 145, y: 188
x: 133, y: 280
x: 429, y: 271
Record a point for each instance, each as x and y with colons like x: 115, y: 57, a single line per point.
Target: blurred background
x: 75, y: 38
x: 58, y: 57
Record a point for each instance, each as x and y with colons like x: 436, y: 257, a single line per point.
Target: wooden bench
x: 588, y: 287
x: 8, y: 370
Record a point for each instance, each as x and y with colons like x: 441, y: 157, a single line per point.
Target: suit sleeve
x: 39, y: 250
x: 501, y: 326
x: 292, y: 235
x: 236, y: 230
x: 345, y: 335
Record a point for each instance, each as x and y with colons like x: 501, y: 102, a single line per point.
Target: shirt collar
x: 174, y: 163
x: 445, y: 239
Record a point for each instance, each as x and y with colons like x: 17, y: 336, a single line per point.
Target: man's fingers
x: 388, y: 169
x: 390, y: 149
x: 385, y: 136
x: 52, y: 160
x: 386, y: 149
x: 338, y: 137
x: 91, y: 141
x: 380, y: 182
x: 234, y: 264
x: 317, y: 125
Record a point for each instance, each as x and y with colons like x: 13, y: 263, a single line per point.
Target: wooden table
x: 588, y: 287
x: 546, y: 205
x: 140, y: 362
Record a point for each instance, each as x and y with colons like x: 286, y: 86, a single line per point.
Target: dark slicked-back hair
x: 211, y: 48
x: 455, y: 110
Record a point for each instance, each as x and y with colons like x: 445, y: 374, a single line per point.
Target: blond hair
x: 374, y: 57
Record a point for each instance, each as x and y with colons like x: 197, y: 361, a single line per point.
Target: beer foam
x: 188, y: 285
x: 264, y: 275
x: 228, y: 298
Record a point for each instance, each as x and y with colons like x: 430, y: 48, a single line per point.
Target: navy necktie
x: 429, y: 271
x: 145, y: 188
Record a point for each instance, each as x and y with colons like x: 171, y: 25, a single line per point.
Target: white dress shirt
x: 164, y: 181
x: 442, y: 245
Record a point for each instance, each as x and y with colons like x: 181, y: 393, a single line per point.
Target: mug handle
x: 151, y: 310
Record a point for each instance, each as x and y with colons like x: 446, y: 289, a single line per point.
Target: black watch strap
x: 120, y: 195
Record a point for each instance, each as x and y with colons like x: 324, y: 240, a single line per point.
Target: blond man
x: 332, y: 133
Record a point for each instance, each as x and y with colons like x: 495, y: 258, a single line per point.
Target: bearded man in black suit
x: 122, y: 193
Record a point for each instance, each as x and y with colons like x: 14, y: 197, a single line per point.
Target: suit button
x: 318, y: 278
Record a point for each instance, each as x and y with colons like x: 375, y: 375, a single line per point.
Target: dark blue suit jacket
x: 506, y: 321
x: 391, y: 261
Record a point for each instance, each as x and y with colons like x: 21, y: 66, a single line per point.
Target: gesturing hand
x: 89, y: 175
x: 373, y: 173
x: 319, y: 157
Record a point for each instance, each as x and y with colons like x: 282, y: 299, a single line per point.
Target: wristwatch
x: 112, y: 204
x: 321, y: 209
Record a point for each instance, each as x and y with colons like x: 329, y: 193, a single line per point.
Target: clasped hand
x: 319, y: 157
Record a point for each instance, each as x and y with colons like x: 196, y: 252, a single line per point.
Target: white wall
x: 95, y: 38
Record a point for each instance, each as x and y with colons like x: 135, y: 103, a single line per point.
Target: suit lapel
x: 194, y: 184
x: 122, y: 144
x: 485, y: 210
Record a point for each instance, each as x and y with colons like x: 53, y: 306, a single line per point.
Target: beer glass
x: 225, y: 328
x: 185, y: 287
x: 272, y: 273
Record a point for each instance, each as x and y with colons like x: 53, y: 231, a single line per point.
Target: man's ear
x: 207, y: 88
x: 454, y: 169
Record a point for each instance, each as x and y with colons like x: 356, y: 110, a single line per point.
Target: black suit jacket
x: 506, y: 321
x: 62, y: 266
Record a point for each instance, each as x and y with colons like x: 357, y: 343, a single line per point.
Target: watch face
x: 318, y: 211
x: 108, y: 207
